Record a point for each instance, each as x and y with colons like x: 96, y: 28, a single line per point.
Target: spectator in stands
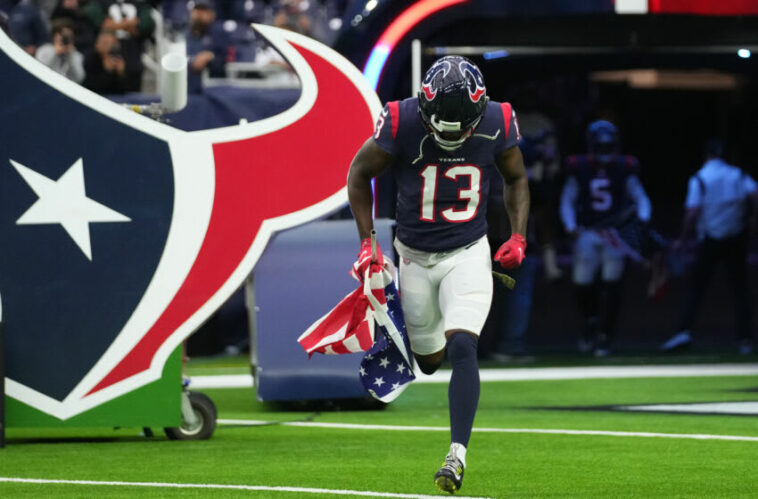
x: 722, y: 201
x: 292, y: 17
x: 132, y: 23
x: 84, y: 31
x: 105, y: 67
x: 207, y: 45
x: 61, y: 55
x: 4, y: 23
x: 27, y: 26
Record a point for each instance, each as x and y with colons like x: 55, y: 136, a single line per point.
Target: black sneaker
x: 450, y: 477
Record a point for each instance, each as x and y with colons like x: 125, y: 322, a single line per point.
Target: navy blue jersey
x: 442, y: 195
x: 602, y: 187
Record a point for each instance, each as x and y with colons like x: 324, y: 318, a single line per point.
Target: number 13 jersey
x: 442, y: 195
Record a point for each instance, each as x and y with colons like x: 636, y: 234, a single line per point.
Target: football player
x: 440, y: 147
x: 602, y: 190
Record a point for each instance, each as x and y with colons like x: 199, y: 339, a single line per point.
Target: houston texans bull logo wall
x: 121, y: 235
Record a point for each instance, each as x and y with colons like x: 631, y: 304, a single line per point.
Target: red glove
x: 511, y: 253
x: 364, y: 259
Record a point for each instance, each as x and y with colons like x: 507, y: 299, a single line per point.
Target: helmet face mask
x: 602, y: 140
x: 452, y: 100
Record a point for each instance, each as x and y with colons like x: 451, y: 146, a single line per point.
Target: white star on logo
x: 400, y: 368
x: 384, y: 362
x: 362, y: 371
x: 379, y: 381
x: 64, y: 202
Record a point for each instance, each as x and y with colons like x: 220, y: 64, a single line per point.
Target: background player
x: 440, y: 147
x: 722, y: 202
x: 602, y: 191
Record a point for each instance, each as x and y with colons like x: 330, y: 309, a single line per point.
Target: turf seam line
x: 364, y: 493
x: 544, y: 431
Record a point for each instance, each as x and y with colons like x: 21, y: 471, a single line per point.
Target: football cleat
x: 677, y: 341
x: 450, y: 477
x: 746, y: 347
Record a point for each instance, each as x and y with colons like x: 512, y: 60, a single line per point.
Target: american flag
x: 369, y: 319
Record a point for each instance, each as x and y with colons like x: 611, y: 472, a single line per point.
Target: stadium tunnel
x: 670, y: 79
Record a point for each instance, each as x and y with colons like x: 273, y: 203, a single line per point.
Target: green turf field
x: 400, y: 462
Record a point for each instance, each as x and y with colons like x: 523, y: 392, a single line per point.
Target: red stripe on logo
x: 256, y: 179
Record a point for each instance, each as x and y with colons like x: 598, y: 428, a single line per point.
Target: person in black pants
x: 722, y: 201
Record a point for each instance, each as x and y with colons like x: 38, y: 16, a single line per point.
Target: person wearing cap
x: 721, y: 204
x: 207, y: 45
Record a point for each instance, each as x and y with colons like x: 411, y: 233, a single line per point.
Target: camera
x: 66, y: 39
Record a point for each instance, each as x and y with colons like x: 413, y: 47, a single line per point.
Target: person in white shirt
x: 721, y: 204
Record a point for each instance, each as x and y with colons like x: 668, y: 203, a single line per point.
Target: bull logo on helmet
x: 474, y: 80
x: 427, y: 86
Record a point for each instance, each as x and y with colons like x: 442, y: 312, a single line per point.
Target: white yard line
x: 354, y: 426
x: 300, y: 490
x: 535, y: 373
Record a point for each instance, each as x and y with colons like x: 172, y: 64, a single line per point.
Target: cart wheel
x: 204, y: 411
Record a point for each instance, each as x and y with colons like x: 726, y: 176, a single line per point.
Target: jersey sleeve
x: 385, y: 131
x: 511, y: 133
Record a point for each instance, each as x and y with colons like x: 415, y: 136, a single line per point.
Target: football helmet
x: 602, y: 140
x: 452, y: 100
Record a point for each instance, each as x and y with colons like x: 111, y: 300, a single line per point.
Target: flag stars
x: 379, y: 381
x: 390, y: 297
x: 395, y: 386
x: 400, y: 368
x: 362, y: 371
x: 369, y: 357
x: 384, y: 362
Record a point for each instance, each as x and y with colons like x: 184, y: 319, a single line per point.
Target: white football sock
x: 459, y: 451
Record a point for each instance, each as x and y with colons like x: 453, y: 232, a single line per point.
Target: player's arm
x: 369, y: 162
x: 692, y: 209
x: 637, y: 193
x: 516, y: 193
x: 568, y: 199
x: 510, y: 164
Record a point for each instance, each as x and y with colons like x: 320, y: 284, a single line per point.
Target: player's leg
x: 423, y: 320
x: 587, y: 259
x: 735, y: 254
x: 700, y: 276
x: 465, y: 296
x: 609, y: 298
